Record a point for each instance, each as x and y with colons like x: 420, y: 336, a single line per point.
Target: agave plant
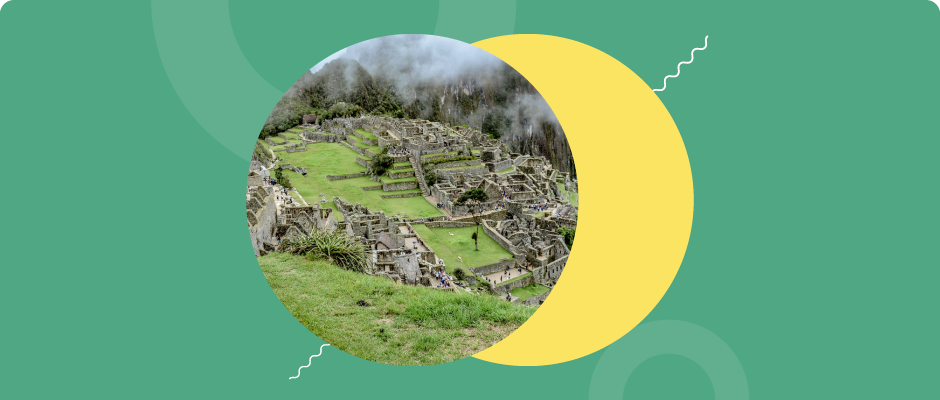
x: 335, y: 247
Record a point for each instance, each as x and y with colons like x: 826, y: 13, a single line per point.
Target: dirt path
x: 498, y: 277
x: 411, y: 242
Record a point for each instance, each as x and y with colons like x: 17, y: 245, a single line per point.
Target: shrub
x: 485, y: 285
x: 431, y: 178
x: 459, y: 274
x: 335, y: 247
x: 381, y: 163
x: 282, y: 178
x: 568, y: 234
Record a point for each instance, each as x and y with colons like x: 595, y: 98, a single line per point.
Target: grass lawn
x: 396, y: 324
x: 366, y: 134
x: 528, y: 291
x: 283, y: 146
x: 461, y: 244
x: 402, y: 164
x: 510, y: 169
x: 291, y: 135
x: 294, y: 196
x: 574, y: 195
x: 361, y: 145
x: 322, y: 159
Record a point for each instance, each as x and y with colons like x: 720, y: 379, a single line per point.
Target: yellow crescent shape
x: 635, y: 198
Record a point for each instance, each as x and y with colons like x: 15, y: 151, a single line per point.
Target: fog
x: 461, y: 82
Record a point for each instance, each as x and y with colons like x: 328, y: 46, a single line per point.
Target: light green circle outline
x: 656, y: 338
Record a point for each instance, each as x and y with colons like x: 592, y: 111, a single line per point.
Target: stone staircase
x: 419, y: 174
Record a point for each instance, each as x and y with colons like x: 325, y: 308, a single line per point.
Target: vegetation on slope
x: 500, y: 102
x: 379, y: 320
x: 323, y: 159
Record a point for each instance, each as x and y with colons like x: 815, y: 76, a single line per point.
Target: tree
x: 475, y: 200
x: 431, y: 177
x: 459, y: 274
x: 282, y: 179
x: 568, y: 234
x: 381, y: 163
x: 491, y: 126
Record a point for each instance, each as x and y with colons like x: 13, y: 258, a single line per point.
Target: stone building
x: 523, y: 215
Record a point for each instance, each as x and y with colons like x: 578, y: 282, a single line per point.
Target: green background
x: 811, y: 128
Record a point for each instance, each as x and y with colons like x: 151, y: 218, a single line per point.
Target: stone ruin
x: 266, y: 222
x: 515, y: 183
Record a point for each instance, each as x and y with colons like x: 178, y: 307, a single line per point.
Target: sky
x: 328, y: 59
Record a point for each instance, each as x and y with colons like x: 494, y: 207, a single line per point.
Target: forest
x: 432, y: 78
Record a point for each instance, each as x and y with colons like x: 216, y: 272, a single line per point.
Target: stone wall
x: 391, y: 187
x: 348, y: 176
x: 498, y: 238
x: 565, y: 222
x: 321, y: 137
x: 525, y: 280
x: 476, y: 171
x: 403, y: 174
x: 376, y: 187
x: 497, y: 267
x: 398, y: 196
x: 262, y: 223
x: 353, y: 148
x: 384, y: 143
x: 419, y: 174
x: 497, y: 215
x: 549, y: 274
x: 452, y: 164
x: 499, y: 165
x: 449, y: 224
x: 536, y: 300
x: 363, y: 162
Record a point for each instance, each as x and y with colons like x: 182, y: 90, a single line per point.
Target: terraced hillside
x: 322, y: 159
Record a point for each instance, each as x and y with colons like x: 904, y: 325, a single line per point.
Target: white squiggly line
x: 679, y: 67
x: 309, y: 361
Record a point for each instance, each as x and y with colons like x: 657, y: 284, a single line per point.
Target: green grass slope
x: 395, y: 324
x: 564, y: 193
x: 323, y: 159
